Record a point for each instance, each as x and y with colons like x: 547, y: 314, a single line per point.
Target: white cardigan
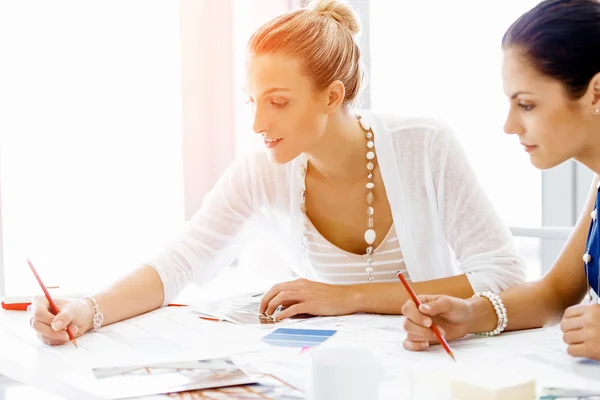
x: 444, y: 221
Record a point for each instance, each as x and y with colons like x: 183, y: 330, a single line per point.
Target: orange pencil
x: 53, y: 306
x: 434, y: 328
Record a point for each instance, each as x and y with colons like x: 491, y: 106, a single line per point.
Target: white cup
x: 348, y: 373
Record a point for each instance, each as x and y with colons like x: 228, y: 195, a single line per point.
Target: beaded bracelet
x: 500, y: 312
x: 98, y: 317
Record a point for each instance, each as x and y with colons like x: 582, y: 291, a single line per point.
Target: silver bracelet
x: 500, y: 312
x: 98, y: 317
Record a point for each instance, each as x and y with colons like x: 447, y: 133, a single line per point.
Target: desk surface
x: 12, y: 390
x: 538, y: 353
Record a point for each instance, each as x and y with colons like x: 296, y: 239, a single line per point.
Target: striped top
x: 337, y: 266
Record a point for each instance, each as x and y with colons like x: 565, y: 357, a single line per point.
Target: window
x: 91, y: 138
x: 442, y: 59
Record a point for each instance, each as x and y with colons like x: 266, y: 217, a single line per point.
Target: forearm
x: 543, y: 302
x: 529, y: 305
x: 135, y: 294
x: 388, y: 298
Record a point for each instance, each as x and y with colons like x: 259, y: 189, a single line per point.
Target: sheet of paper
x: 383, y: 333
x: 267, y: 388
x: 24, y: 363
x: 165, y: 378
x: 539, y: 354
x: 286, y: 363
x: 167, y: 334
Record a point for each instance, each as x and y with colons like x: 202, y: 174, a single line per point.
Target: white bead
x: 594, y: 215
x: 369, y: 270
x: 369, y: 135
x: 370, y: 144
x: 365, y: 125
x: 370, y: 166
x: 370, y: 211
x: 587, y: 258
x: 370, y: 198
x: 500, y: 312
x: 370, y: 185
x: 370, y: 236
x: 370, y: 155
x: 370, y: 176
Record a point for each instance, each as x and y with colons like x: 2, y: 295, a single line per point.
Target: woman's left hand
x: 302, y: 296
x: 581, y: 330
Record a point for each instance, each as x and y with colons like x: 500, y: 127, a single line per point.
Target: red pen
x: 210, y: 319
x: 434, y: 328
x: 53, y: 306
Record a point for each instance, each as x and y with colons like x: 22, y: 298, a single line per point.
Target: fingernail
x: 57, y: 326
x: 74, y: 330
x: 424, y: 345
x: 427, y: 322
x: 442, y: 332
x: 425, y: 307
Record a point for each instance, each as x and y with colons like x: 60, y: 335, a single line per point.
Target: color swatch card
x: 287, y: 337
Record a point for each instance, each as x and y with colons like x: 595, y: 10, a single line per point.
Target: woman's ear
x: 336, y: 93
x: 595, y: 93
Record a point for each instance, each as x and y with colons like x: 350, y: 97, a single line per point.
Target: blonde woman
x: 349, y: 197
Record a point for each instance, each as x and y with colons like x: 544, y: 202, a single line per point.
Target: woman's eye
x: 526, y: 107
x: 279, y: 104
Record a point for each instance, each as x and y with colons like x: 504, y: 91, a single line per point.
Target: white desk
x: 12, y: 390
x: 408, y: 375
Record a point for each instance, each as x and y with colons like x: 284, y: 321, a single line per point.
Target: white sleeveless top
x: 337, y: 266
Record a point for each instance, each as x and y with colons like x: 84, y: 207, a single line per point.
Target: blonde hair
x: 323, y: 37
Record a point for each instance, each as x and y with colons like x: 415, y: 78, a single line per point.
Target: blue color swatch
x: 287, y: 337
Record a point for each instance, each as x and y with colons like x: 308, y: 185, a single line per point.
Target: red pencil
x: 434, y: 328
x: 53, y: 306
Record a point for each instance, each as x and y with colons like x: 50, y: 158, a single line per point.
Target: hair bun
x: 339, y: 11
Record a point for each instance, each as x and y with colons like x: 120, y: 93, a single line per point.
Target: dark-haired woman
x: 551, y: 75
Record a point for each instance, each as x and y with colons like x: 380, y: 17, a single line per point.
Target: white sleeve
x: 208, y: 241
x: 481, y: 243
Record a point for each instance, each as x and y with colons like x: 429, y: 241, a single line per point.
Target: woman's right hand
x: 451, y: 315
x: 77, y: 314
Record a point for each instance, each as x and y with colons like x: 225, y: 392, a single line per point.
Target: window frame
x: 2, y: 276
